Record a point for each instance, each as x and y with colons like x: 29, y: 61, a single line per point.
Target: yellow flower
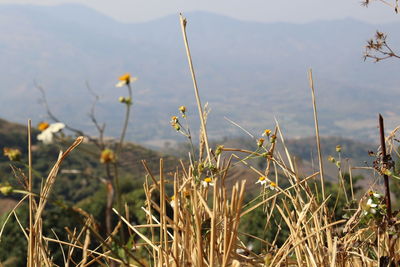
x: 175, y: 123
x: 273, y: 186
x: 13, y: 154
x: 6, y: 189
x: 126, y: 77
x: 43, y: 126
x: 374, y: 194
x: 174, y: 119
x: 182, y: 109
x: 260, y: 142
x: 125, y: 80
x: 331, y: 159
x: 338, y: 148
x: 266, y: 132
x: 207, y: 181
x: 107, y: 156
x: 262, y: 180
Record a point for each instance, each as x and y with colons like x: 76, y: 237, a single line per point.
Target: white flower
x: 262, y: 180
x: 370, y: 206
x: 207, y: 182
x: 374, y: 194
x: 172, y: 202
x: 273, y: 186
x: 125, y: 79
x: 46, y: 136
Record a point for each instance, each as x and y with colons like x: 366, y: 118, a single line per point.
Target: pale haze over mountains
x: 247, y: 71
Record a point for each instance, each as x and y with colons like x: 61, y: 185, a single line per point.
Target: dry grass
x: 203, y: 229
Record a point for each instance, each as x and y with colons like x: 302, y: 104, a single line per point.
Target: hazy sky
x: 254, y: 10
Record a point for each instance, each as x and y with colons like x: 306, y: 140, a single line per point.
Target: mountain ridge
x: 241, y: 67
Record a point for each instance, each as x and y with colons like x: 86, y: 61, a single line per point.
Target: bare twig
x: 378, y: 49
x: 100, y: 128
x: 385, y: 165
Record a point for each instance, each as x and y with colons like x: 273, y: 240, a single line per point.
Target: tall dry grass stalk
x: 31, y: 207
x: 183, y: 22
x: 37, y: 245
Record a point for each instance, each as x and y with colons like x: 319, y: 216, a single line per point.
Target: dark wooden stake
x: 385, y: 165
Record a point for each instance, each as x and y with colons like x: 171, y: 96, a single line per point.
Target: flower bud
x: 266, y: 132
x: 6, y: 189
x: 182, y: 109
x: 386, y: 171
x: 338, y: 164
x: 219, y: 149
x: 260, y: 142
x: 107, y: 156
x: 128, y: 101
x: 13, y: 154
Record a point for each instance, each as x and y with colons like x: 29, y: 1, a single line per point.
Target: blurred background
x: 251, y: 60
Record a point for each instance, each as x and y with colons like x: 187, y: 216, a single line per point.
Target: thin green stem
x: 189, y: 136
x: 109, y: 199
x: 127, y: 114
x: 119, y: 150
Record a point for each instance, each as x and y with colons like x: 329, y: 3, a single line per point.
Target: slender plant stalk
x: 213, y: 224
x: 321, y: 167
x: 175, y: 243
x: 118, y: 152
x: 196, y: 90
x: 189, y: 136
x: 162, y: 214
x: 31, y: 246
x: 110, y: 197
x: 127, y: 115
x: 117, y: 188
x: 385, y: 165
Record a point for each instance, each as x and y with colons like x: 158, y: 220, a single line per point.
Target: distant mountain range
x: 247, y: 71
